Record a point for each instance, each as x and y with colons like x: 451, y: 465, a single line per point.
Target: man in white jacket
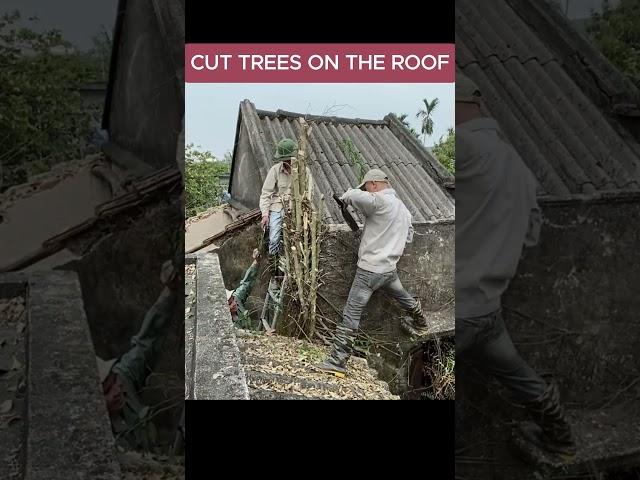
x: 497, y: 215
x: 387, y: 229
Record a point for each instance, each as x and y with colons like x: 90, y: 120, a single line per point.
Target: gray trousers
x: 485, y: 343
x: 363, y: 286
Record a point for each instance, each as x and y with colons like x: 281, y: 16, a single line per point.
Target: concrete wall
x: 573, y: 307
x: 235, y: 258
x: 572, y: 312
x: 426, y: 270
x: 116, y: 299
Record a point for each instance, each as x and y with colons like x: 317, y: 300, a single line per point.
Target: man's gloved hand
x: 265, y: 221
x: 168, y: 275
x: 114, y: 393
x: 256, y: 254
x: 344, y: 196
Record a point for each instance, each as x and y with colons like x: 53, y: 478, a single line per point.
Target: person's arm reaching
x: 366, y: 202
x: 248, y: 282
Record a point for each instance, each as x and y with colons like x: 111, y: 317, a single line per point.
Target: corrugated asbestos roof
x: 415, y: 175
x: 571, y: 145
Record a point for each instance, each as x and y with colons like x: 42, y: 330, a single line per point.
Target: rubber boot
x: 416, y: 323
x: 550, y: 430
x: 341, y: 351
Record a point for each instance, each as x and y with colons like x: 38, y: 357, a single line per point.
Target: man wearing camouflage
x: 124, y: 377
x: 387, y: 229
x: 237, y: 298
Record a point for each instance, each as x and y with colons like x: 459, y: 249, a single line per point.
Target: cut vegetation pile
x: 280, y: 367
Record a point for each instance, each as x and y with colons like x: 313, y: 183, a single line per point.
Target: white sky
x: 78, y: 20
x: 211, y: 110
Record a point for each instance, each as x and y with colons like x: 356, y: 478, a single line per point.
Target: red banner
x: 320, y: 63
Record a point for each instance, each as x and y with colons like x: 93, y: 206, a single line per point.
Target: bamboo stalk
x: 279, y: 305
x: 297, y: 212
x: 305, y: 242
x: 303, y: 277
x: 302, y: 155
x: 314, y: 270
x: 301, y: 233
x: 316, y: 257
x: 287, y: 245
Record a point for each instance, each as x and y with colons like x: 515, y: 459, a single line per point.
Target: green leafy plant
x: 43, y: 120
x: 426, y: 117
x: 362, y: 345
x: 403, y: 119
x: 355, y: 158
x: 616, y: 33
x: 442, y: 373
x: 202, y: 184
x: 445, y: 150
x: 311, y: 353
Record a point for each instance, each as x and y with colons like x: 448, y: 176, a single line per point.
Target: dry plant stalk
x: 302, y: 228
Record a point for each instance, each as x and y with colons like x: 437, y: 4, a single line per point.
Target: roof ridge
x: 316, y: 118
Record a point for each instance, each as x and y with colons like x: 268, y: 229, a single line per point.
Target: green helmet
x: 286, y: 148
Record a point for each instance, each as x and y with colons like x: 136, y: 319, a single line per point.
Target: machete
x: 346, y: 214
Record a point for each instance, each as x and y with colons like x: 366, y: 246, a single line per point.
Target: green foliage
x: 311, y: 353
x: 42, y: 117
x: 99, y: 56
x: 616, y: 32
x: 426, y: 116
x: 403, y: 120
x: 355, y: 158
x: 442, y: 372
x: 362, y: 346
x: 202, y: 185
x: 445, y: 151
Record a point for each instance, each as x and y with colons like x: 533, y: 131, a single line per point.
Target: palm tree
x: 425, y: 115
x: 403, y: 120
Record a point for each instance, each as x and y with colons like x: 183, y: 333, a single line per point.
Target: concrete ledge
x: 442, y: 323
x: 614, y: 196
x: 12, y: 284
x: 218, y: 372
x: 68, y: 430
x: 189, y: 327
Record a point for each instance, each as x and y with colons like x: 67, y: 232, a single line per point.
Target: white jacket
x: 387, y: 228
x: 497, y: 214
